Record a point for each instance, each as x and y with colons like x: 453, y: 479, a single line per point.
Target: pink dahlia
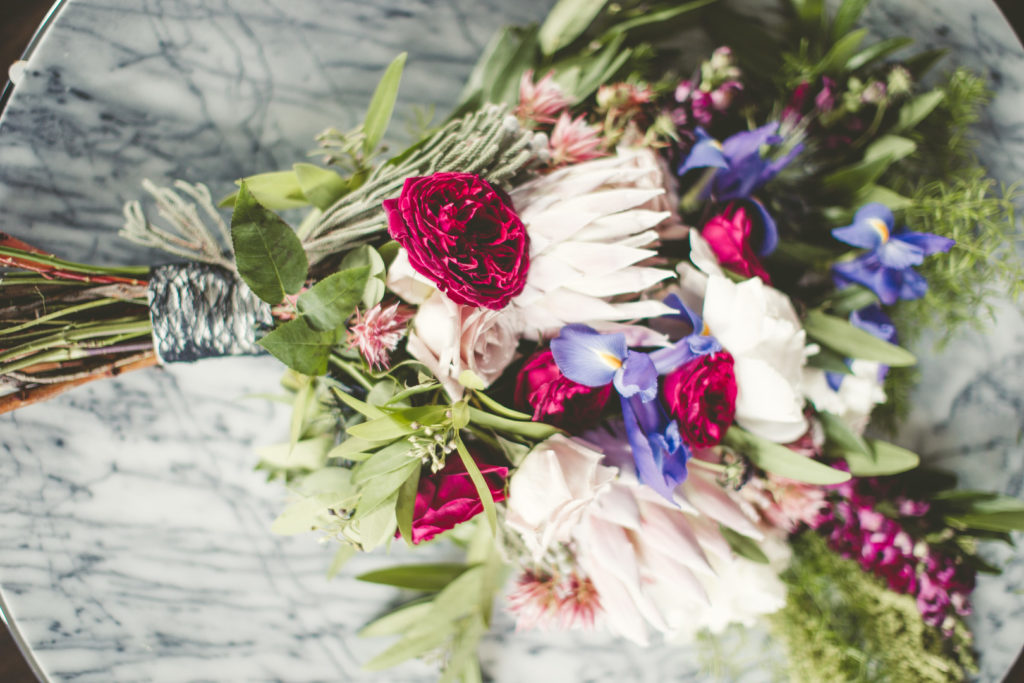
x: 377, y: 332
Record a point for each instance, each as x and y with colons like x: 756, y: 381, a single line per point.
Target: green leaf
x: 409, y: 647
x: 303, y: 398
x: 277, y: 191
x: 775, y: 458
x: 329, y: 303
x: 305, y: 514
x: 376, y: 528
x: 406, y: 504
x: 537, y: 431
x: 378, y: 114
x: 852, y: 298
x: 471, y: 380
x: 367, y: 256
x: 992, y: 521
x: 830, y: 361
x: 308, y: 454
x: 481, y: 485
x: 344, y: 554
x: 321, y: 186
x: 885, y: 459
x: 566, y: 22
x: 657, y: 17
x: 743, y: 546
x: 300, y: 347
x: 853, y: 342
x: 493, y: 60
x: 504, y: 88
x: 883, y: 195
x: 893, y: 147
x: 365, y: 409
x: 846, y: 17
x: 398, y: 620
x: 269, y: 255
x: 385, y: 460
x: 417, y: 577
x: 501, y: 410
x: 383, y: 490
x: 877, y: 51
x: 914, y: 111
x: 840, y: 439
x: 835, y: 59
x: 811, y: 13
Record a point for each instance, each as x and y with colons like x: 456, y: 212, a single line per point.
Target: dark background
x: 18, y: 23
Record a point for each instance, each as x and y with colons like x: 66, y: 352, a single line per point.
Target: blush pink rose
x: 448, y: 497
x: 463, y: 235
x: 542, y: 389
x: 702, y: 395
x: 728, y: 233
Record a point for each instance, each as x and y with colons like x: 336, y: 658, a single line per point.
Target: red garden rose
x: 462, y: 234
x: 542, y: 389
x: 448, y: 497
x: 728, y: 233
x: 702, y: 395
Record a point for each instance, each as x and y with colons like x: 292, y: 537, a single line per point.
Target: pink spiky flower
x: 574, y: 140
x: 541, y: 101
x: 377, y: 332
x: 549, y: 602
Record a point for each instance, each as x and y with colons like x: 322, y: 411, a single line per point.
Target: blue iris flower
x: 742, y: 170
x: 588, y: 357
x: 873, y: 320
x: 887, y: 268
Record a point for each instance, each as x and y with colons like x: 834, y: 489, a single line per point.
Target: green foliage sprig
x: 842, y: 624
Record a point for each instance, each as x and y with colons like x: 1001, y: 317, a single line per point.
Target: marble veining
x: 134, y: 533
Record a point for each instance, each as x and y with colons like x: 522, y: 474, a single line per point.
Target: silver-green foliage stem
x: 487, y: 142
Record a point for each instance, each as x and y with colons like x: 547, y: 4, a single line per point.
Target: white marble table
x: 134, y: 534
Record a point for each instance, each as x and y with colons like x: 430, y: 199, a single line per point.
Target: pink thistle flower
x: 541, y: 101
x: 377, y: 332
x: 574, y: 140
x: 551, y: 602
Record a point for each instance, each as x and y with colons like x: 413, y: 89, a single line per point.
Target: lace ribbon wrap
x: 203, y: 311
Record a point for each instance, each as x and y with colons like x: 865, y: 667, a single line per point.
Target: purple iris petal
x: 748, y: 170
x: 862, y: 232
x: 638, y: 377
x: 706, y: 152
x: 899, y: 254
x: 658, y: 451
x: 925, y: 241
x: 588, y: 357
x: 689, y: 347
x: 749, y: 142
x: 770, y: 233
x: 868, y: 271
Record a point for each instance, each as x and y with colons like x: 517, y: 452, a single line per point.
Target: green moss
x: 842, y: 624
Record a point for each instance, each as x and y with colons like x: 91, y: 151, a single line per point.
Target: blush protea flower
x: 574, y: 140
x: 550, y: 602
x: 377, y: 332
x: 540, y: 102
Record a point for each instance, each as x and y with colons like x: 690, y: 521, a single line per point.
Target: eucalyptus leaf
x: 830, y: 361
x: 776, y: 458
x: 417, y: 577
x: 743, y: 546
x: 383, y: 490
x: 304, y: 515
x: 366, y: 255
x: 329, y: 303
x: 361, y: 407
x: 376, y: 528
x: 893, y: 147
x: 566, y: 22
x: 321, y: 186
x: 409, y: 647
x: 398, y: 620
x: 300, y: 407
x: 387, y: 459
x: 481, y: 485
x: 378, y: 114
x: 268, y: 254
x: 884, y: 459
x: 853, y: 342
x: 300, y: 347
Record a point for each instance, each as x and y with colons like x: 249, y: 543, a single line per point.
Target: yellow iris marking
x: 610, y: 360
x: 706, y: 331
x: 880, y: 227
x: 716, y: 144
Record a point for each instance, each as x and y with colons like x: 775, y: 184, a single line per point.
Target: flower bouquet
x: 616, y: 330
